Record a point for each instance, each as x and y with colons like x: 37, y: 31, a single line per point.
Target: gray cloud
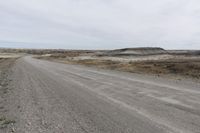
x: 92, y: 24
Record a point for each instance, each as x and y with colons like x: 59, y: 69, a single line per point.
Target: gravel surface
x: 51, y: 97
x: 6, y: 120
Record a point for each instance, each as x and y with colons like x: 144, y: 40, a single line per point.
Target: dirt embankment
x: 6, y: 122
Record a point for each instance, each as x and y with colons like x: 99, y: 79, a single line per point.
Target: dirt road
x: 58, y: 98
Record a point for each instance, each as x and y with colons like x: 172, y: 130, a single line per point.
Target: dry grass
x: 187, y: 67
x: 4, y: 122
x: 9, y: 55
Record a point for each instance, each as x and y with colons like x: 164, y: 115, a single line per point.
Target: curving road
x: 59, y: 98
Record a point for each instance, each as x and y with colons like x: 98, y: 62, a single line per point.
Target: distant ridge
x: 140, y: 48
x: 137, y: 51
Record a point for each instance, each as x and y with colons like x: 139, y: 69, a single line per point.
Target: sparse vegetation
x: 4, y: 122
x: 182, y: 65
x: 188, y: 68
x: 58, y: 52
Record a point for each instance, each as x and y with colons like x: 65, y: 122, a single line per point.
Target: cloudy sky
x: 100, y: 24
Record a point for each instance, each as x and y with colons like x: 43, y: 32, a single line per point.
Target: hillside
x: 145, y: 51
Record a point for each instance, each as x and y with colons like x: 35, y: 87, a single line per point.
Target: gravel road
x: 58, y: 98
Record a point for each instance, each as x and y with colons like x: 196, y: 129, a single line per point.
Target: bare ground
x: 52, y: 97
x: 39, y: 96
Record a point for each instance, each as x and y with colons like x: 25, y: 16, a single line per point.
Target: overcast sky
x: 100, y: 24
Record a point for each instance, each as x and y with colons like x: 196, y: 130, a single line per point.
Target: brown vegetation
x: 185, y: 67
x: 185, y: 62
x: 189, y: 68
x: 46, y: 51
